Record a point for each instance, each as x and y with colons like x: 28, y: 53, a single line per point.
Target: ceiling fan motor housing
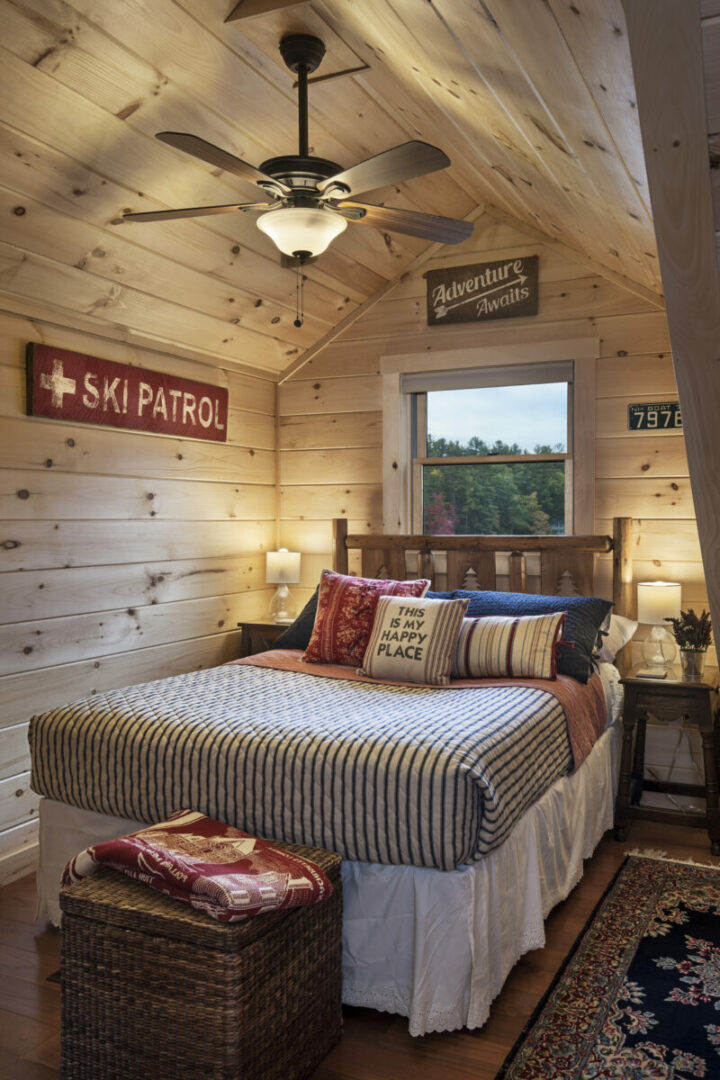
x: 302, y: 174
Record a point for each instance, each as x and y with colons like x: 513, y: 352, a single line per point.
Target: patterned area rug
x: 639, y: 994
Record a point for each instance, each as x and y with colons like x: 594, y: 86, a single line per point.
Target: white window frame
x: 402, y: 373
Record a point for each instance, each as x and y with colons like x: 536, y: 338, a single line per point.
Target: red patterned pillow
x: 346, y: 613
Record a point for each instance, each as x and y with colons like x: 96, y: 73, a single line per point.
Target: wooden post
x: 340, y: 555
x: 623, y: 567
x: 426, y: 565
x: 518, y: 576
x: 666, y: 48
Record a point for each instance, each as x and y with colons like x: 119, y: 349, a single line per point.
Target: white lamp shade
x: 282, y: 567
x: 658, y: 601
x: 301, y: 228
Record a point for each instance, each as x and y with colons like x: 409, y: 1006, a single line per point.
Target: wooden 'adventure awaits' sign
x: 66, y: 385
x: 504, y: 289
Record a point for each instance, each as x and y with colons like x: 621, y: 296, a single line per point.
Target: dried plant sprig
x: 692, y: 631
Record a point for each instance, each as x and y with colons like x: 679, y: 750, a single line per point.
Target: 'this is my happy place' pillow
x: 414, y: 640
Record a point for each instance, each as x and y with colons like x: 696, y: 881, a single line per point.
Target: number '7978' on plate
x: 656, y: 416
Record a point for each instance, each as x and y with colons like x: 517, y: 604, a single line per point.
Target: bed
x: 448, y: 877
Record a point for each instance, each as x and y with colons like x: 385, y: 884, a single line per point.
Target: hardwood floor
x: 374, y: 1046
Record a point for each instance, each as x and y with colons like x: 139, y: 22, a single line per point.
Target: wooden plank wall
x: 124, y: 556
x: 330, y: 421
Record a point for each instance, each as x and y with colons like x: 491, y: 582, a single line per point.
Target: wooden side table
x: 259, y: 636
x: 668, y: 699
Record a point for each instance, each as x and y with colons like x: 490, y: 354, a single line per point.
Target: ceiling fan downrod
x: 302, y: 54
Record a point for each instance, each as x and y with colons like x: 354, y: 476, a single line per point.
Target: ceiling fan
x: 306, y: 198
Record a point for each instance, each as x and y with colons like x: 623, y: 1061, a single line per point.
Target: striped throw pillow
x: 508, y: 647
x: 414, y: 640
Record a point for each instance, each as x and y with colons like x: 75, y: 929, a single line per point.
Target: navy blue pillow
x: 584, y: 617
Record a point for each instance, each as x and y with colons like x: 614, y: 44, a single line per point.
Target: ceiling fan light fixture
x: 302, y: 229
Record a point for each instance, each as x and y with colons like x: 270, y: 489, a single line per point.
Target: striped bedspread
x: 379, y: 772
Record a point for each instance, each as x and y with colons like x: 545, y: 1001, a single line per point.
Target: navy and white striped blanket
x: 379, y: 772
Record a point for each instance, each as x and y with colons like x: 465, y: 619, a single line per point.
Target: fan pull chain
x: 299, y: 296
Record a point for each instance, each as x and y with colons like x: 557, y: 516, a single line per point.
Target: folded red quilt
x: 215, y: 868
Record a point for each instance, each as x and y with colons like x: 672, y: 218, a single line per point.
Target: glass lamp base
x: 658, y: 649
x: 282, y: 608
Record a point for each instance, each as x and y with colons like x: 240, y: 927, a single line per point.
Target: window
x: 492, y: 450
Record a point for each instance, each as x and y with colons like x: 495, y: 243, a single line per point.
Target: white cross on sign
x: 58, y: 384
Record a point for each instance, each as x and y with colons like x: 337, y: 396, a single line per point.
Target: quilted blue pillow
x: 582, y: 623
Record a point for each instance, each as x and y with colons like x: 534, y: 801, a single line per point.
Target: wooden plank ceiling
x: 532, y: 100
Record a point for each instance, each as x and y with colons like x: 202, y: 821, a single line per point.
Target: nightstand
x: 259, y: 636
x: 666, y: 700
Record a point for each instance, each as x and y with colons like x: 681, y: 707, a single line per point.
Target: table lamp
x: 282, y: 568
x: 658, y: 601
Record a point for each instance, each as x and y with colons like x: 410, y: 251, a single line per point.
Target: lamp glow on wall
x: 658, y: 601
x: 282, y: 568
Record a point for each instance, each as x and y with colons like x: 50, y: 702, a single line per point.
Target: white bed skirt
x: 427, y: 944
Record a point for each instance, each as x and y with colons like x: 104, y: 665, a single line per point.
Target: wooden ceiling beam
x: 577, y: 255
x: 245, y: 9
x: 418, y: 262
x: 666, y: 49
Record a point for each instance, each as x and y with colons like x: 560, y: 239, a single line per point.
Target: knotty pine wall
x: 330, y: 420
x: 124, y: 556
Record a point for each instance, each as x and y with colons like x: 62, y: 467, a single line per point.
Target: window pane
x: 504, y: 500
x: 497, y: 419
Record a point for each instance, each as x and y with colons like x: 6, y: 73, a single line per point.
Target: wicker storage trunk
x: 154, y: 990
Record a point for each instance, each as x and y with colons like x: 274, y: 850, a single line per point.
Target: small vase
x: 692, y: 662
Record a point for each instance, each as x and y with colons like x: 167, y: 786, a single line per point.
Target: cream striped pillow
x: 414, y: 640
x: 508, y: 646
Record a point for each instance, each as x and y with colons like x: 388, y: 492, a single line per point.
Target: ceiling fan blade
x: 427, y: 226
x: 403, y: 162
x: 197, y: 211
x: 221, y: 159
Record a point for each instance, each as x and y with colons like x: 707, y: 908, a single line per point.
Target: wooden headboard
x: 566, y: 563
